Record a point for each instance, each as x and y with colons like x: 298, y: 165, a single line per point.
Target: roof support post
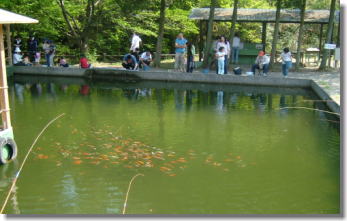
x: 201, y: 39
x: 263, y: 35
x: 9, y: 45
x: 320, y: 39
x: 4, y: 102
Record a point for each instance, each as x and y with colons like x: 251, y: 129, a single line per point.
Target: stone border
x: 109, y: 74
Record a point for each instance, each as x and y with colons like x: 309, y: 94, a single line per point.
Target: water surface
x: 203, y: 149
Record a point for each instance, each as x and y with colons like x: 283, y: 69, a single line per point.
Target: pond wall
x: 110, y: 75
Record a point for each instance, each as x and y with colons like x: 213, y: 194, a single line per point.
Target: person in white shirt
x: 135, y: 42
x: 17, y: 58
x: 262, y: 62
x: 235, y: 49
x: 220, y: 56
x: 223, y: 43
x: 286, y: 58
x: 145, y: 59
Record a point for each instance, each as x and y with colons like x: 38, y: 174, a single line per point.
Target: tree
x: 326, y: 52
x: 160, y: 34
x: 301, y: 30
x: 81, y: 30
x: 209, y: 35
x: 275, y: 37
x: 233, y: 24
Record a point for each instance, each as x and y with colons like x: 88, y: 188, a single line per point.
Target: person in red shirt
x: 84, y: 62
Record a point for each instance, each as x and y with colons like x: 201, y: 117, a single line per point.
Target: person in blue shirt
x: 180, y: 45
x: 129, y: 62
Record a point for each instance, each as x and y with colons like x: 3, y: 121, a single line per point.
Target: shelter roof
x: 264, y: 15
x: 7, y: 17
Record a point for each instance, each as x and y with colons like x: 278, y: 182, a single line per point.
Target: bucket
x: 146, y: 68
x: 205, y: 71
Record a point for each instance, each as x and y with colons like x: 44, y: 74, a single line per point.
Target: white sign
x: 329, y: 46
x: 337, y: 54
x: 259, y: 46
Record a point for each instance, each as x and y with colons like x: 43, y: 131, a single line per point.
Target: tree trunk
x: 160, y: 34
x: 301, y: 30
x: 275, y: 37
x: 207, y: 50
x: 83, y: 45
x: 233, y: 25
x: 329, y: 35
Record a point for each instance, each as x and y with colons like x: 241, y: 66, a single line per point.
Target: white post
x: 4, y: 103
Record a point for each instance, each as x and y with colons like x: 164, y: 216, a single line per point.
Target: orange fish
x: 165, y: 169
x: 77, y: 162
x: 42, y: 156
x: 238, y: 157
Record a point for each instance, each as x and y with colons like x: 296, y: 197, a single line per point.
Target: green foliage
x: 115, y: 21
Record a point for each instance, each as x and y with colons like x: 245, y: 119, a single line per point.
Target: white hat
x: 17, y: 50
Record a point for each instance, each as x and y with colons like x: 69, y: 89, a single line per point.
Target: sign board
x: 259, y: 46
x: 337, y: 54
x: 329, y: 46
x: 241, y: 45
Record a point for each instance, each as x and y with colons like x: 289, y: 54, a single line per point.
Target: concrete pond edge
x: 128, y: 75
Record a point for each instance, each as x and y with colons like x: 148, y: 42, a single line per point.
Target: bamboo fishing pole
x: 25, y: 159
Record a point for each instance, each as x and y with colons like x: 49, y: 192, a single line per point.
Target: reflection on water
x: 204, y: 149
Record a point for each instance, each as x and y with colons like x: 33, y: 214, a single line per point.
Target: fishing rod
x: 25, y: 159
x: 126, y: 196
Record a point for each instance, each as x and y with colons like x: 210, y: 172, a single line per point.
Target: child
x: 63, y: 63
x: 84, y: 62
x: 26, y: 60
x: 190, y: 57
x: 286, y: 57
x: 220, y: 56
x: 37, y: 58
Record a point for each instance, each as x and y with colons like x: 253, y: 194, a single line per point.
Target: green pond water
x: 203, y: 149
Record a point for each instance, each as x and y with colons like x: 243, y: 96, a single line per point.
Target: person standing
x: 286, y: 58
x: 220, y: 56
x: 51, y: 53
x: 235, y: 49
x: 262, y: 63
x: 32, y: 48
x: 223, y: 43
x: 180, y: 45
x: 190, y: 57
x: 17, y: 43
x: 135, y: 43
x: 45, y: 48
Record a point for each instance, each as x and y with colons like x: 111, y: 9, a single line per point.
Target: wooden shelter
x: 7, y: 18
x: 263, y: 16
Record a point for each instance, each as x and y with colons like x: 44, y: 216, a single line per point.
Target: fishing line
x: 126, y: 196
x: 25, y: 158
x: 306, y: 108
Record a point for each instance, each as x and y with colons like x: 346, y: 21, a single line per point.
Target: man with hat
x: 18, y: 58
x: 262, y: 63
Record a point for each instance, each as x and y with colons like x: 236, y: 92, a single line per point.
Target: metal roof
x: 7, y: 17
x: 264, y: 15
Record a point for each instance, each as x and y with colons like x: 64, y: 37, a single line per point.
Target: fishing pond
x: 203, y: 149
